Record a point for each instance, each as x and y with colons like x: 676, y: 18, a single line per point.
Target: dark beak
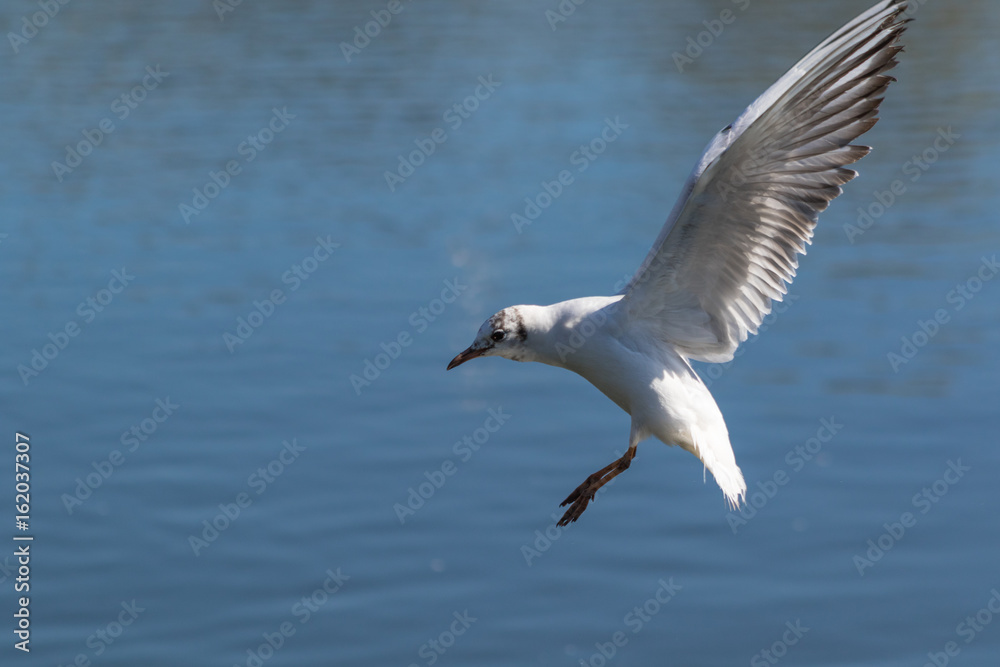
x: 470, y: 353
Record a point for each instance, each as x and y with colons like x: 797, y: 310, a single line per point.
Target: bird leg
x: 584, y: 493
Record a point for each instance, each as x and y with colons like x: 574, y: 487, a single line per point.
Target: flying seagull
x: 727, y: 251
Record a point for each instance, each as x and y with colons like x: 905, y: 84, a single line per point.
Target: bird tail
x: 730, y: 480
x: 719, y: 460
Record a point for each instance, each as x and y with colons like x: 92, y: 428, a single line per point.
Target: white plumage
x: 727, y: 251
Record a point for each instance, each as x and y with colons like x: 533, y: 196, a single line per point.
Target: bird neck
x: 559, y: 333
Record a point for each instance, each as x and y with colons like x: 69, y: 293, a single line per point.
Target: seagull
x: 727, y: 252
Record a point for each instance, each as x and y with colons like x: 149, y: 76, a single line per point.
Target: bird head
x: 502, y: 335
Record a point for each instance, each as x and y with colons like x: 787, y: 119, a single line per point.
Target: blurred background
x: 234, y: 273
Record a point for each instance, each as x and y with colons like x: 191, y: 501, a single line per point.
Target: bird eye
x: 499, y: 335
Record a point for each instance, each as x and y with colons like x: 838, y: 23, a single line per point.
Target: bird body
x: 727, y: 251
x: 595, y: 338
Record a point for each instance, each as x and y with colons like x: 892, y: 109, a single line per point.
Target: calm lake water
x: 200, y: 248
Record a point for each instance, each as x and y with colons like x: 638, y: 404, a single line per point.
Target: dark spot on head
x: 519, y: 329
x: 511, y: 321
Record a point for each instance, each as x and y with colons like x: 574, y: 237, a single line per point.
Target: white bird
x: 727, y: 251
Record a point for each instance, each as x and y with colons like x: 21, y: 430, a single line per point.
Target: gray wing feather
x: 730, y: 246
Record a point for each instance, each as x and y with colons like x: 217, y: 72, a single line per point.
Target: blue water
x: 192, y: 384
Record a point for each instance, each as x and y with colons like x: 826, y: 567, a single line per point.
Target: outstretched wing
x: 731, y: 244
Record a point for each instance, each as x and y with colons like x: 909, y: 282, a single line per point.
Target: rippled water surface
x: 227, y: 251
